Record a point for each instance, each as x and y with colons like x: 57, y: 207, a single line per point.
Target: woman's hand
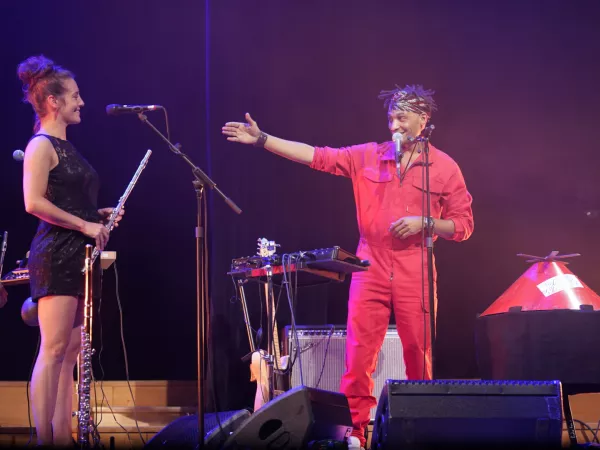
x: 105, y: 214
x: 98, y: 232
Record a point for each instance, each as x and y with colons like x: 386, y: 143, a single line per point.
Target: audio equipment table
x: 332, y: 263
x: 20, y: 275
x: 310, y: 267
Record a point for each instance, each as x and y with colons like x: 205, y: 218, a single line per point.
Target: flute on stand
x: 85, y: 420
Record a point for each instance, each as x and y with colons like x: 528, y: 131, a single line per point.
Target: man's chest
x: 403, y: 191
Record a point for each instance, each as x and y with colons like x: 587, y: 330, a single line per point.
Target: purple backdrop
x: 516, y: 88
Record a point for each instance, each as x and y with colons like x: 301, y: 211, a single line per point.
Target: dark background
x: 517, y: 91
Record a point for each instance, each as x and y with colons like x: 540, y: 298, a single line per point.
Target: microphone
x: 397, y: 138
x: 19, y: 155
x: 114, y: 110
x: 427, y: 131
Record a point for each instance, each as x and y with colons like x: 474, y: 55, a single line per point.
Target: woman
x: 60, y: 188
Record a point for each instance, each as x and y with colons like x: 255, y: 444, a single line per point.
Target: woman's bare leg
x: 56, y: 315
x: 62, y: 423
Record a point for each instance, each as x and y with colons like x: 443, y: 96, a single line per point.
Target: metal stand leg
x: 569, y: 420
x: 270, y: 320
x: 242, y: 294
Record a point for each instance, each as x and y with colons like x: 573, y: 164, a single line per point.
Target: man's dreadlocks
x: 409, y: 98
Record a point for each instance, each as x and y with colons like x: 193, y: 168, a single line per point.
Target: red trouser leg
x: 372, y: 294
x: 410, y: 299
x: 369, y: 309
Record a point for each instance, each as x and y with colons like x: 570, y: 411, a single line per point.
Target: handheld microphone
x: 114, y: 110
x: 397, y: 138
x: 19, y: 155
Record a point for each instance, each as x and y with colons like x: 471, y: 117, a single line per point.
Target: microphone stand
x: 429, y: 245
x: 202, y: 307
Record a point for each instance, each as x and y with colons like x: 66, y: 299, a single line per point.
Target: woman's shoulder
x: 39, y: 142
x: 41, y: 147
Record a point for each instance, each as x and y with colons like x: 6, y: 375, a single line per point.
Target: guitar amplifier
x: 323, y: 358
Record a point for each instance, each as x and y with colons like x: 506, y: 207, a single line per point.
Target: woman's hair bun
x: 33, y: 69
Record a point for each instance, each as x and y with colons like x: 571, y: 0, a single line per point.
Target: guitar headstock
x: 266, y: 248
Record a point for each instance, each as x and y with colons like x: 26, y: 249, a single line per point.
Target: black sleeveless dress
x: 57, y: 254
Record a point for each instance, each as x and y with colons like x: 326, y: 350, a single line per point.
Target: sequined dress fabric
x: 57, y: 254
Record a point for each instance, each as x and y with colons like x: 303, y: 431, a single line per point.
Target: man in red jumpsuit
x: 388, y: 192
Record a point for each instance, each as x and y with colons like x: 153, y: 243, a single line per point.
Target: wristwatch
x: 429, y: 222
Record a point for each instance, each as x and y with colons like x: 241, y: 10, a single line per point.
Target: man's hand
x: 246, y: 133
x: 406, y: 226
x: 3, y: 296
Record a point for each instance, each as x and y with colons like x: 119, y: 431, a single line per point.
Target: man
x: 389, y: 203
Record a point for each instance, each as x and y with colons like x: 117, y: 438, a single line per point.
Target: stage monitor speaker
x: 323, y: 357
x: 183, y: 432
x: 297, y: 419
x: 484, y: 414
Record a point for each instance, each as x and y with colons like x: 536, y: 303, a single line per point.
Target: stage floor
x: 161, y: 402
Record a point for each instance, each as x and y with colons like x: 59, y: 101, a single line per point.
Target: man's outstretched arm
x: 249, y: 133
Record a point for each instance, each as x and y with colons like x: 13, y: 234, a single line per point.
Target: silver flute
x: 87, y: 432
x: 85, y: 420
x: 115, y: 213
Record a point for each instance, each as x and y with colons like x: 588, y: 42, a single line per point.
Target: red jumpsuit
x: 398, y: 272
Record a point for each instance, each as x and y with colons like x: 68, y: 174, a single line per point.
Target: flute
x: 115, y: 213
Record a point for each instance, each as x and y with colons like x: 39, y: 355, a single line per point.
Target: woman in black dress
x: 60, y: 188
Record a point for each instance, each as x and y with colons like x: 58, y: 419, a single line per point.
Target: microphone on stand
x: 423, y: 137
x: 397, y: 138
x: 115, y: 110
x: 426, y: 133
x: 19, y: 155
